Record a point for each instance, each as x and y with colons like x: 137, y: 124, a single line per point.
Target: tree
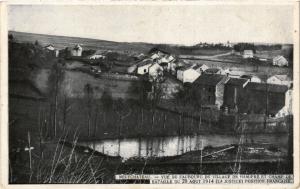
x: 123, y: 110
x: 89, y: 97
x: 156, y: 94
x: 36, y: 43
x: 107, y: 102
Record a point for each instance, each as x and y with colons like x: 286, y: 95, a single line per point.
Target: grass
x: 53, y: 162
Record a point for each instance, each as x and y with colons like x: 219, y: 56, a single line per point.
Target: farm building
x: 76, y: 51
x: 280, y: 80
x: 233, y: 93
x: 210, y: 89
x: 280, y: 61
x: 131, y: 69
x: 272, y: 100
x: 187, y: 74
x: 248, y: 54
x: 252, y: 78
x: 52, y: 49
x: 96, y: 55
x: 213, y: 71
x: 143, y: 66
x: 166, y: 59
x: 200, y: 68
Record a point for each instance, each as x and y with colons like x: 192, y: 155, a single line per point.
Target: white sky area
x: 184, y: 24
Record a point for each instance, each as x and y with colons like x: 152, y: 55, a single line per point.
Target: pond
x: 176, y: 145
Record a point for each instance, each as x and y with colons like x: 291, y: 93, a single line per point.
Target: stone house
x: 210, y: 89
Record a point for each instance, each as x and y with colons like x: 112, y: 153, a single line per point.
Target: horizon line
x: 152, y: 43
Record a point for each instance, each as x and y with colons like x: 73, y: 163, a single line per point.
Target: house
x: 143, y: 66
x: 187, y: 74
x: 248, y: 54
x: 174, y: 65
x: 155, y: 70
x: 233, y: 93
x: 213, y: 71
x: 252, y: 78
x: 262, y: 98
x: 52, y: 49
x: 131, y: 69
x: 280, y: 61
x: 76, y: 51
x: 200, y: 68
x: 166, y: 59
x: 210, y: 89
x: 280, y: 80
x: 97, y: 55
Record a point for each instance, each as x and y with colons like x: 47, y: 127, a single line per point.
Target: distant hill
x: 62, y: 42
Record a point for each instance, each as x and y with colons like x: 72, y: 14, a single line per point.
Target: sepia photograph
x: 151, y: 93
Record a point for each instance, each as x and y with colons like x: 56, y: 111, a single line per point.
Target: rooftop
x: 283, y: 77
x: 237, y: 81
x: 210, y: 79
x: 185, y: 67
x: 212, y: 70
x: 267, y: 87
x: 248, y: 76
x: 145, y: 62
x: 198, y: 66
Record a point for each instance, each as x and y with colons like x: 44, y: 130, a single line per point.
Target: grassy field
x: 74, y: 83
x: 261, y: 71
x: 61, y: 42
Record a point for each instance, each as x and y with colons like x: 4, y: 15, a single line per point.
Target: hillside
x: 61, y: 42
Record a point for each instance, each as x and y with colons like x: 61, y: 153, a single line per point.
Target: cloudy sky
x: 158, y: 24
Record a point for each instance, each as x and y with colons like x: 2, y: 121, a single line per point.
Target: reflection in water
x: 174, y: 145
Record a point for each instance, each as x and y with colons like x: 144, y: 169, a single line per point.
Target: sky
x: 174, y: 24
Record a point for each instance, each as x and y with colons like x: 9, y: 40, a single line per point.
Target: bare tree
x: 89, y: 97
x: 123, y: 110
x: 66, y: 109
x: 156, y: 95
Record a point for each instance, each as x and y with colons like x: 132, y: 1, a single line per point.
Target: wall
x: 190, y: 75
x: 141, y: 69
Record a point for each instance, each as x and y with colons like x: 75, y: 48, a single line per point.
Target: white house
x: 132, y: 69
x: 154, y: 56
x: 287, y: 109
x: 200, y: 68
x: 187, y: 74
x: 97, y: 55
x: 248, y: 54
x: 76, y: 51
x: 280, y: 80
x: 143, y: 66
x: 280, y: 61
x: 252, y: 78
x: 52, y: 49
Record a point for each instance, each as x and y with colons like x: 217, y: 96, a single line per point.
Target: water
x: 176, y: 145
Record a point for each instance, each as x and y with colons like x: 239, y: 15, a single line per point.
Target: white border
x: 4, y: 91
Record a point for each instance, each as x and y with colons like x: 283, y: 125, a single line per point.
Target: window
x: 145, y: 70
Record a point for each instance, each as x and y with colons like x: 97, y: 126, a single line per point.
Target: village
x: 225, y: 89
